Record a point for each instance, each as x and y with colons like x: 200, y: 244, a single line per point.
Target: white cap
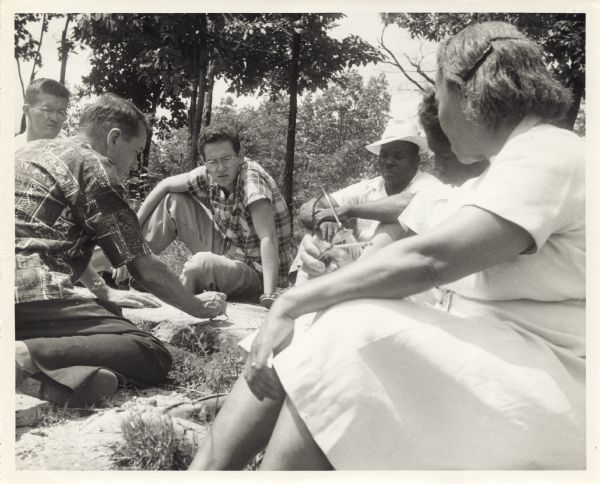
x: 399, y: 130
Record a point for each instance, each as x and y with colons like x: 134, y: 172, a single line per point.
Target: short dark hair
x: 428, y: 116
x: 112, y: 111
x: 214, y: 134
x: 45, y: 86
x: 501, y: 75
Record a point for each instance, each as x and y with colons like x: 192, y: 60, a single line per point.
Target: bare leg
x: 241, y: 430
x: 291, y: 446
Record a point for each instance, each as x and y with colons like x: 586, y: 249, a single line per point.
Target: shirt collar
x: 524, y: 125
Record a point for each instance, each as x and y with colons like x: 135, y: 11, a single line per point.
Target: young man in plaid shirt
x: 230, y: 214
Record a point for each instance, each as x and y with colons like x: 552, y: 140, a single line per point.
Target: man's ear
x: 113, y: 136
x: 26, y: 108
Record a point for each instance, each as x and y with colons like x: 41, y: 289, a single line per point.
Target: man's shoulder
x: 251, y: 171
x: 423, y: 178
x: 368, y: 184
x: 251, y: 166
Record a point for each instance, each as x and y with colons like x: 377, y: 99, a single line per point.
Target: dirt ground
x: 61, y: 439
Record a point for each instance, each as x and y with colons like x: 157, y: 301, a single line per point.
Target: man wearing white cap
x: 380, y: 199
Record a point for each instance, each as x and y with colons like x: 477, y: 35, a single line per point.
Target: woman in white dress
x: 490, y: 377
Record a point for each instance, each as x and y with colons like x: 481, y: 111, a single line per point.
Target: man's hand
x: 328, y: 230
x: 130, y: 299
x: 310, y: 252
x: 328, y: 215
x: 120, y: 275
x: 158, y: 280
x: 213, y: 303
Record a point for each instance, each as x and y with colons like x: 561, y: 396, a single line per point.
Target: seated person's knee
x: 174, y: 197
x: 198, y: 272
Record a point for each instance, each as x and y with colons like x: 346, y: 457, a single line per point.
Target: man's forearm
x: 269, y: 254
x: 94, y: 283
x: 157, y: 279
x: 386, y: 210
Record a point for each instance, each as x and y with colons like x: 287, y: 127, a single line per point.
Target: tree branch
x: 37, y: 54
x: 421, y: 72
x: 396, y: 62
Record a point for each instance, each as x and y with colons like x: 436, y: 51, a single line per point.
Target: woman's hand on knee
x: 275, y: 335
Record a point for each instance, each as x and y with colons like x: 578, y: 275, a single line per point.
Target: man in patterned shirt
x: 69, y: 198
x: 230, y: 214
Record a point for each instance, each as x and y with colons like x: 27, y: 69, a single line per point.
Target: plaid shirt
x: 232, y: 217
x: 68, y: 198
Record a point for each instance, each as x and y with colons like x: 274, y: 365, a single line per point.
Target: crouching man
x: 69, y: 198
x: 230, y: 215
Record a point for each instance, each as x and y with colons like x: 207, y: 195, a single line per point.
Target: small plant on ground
x: 196, y: 373
x: 150, y: 442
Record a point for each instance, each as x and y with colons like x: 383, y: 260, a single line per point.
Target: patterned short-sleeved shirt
x: 233, y: 219
x: 68, y: 199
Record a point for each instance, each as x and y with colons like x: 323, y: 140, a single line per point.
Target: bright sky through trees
x: 366, y: 25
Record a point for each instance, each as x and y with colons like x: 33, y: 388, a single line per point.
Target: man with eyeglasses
x: 230, y: 214
x: 45, y: 109
x: 72, y: 347
x: 46, y: 102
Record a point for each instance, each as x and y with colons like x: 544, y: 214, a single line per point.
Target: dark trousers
x: 70, y: 340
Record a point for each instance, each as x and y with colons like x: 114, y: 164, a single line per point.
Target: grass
x: 198, y: 373
x: 175, y: 256
x: 151, y: 443
x: 150, y: 440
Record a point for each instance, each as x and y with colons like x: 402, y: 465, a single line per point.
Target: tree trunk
x: 196, y: 117
x: 288, y: 177
x: 23, y: 121
x: 32, y: 77
x: 569, y: 120
x: 200, y: 64
x: 64, y: 50
x: 37, y: 54
x: 146, y: 155
x: 208, y: 100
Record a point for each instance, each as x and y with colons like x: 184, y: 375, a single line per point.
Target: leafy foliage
x: 562, y: 36
x: 333, y: 128
x: 260, y: 44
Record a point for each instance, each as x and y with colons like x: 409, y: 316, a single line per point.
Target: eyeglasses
x: 49, y: 112
x: 226, y: 160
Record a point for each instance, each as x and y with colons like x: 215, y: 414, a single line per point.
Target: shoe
x: 101, y: 385
x: 20, y: 374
